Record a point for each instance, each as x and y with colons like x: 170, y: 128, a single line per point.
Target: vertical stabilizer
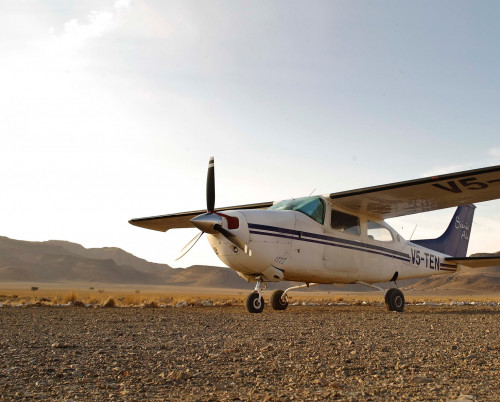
x: 455, y: 240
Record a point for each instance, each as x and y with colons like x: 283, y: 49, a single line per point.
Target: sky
x: 110, y: 110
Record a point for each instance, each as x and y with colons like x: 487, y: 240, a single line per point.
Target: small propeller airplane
x: 340, y: 238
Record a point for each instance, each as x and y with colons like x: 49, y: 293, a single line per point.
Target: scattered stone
x: 178, y: 375
x: 420, y: 380
x: 304, y: 353
x: 463, y: 398
x: 59, y: 345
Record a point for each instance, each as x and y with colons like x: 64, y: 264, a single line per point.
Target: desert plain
x: 325, y: 346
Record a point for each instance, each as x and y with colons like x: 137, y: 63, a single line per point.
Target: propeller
x: 211, y: 221
x: 211, y: 186
x: 189, y: 246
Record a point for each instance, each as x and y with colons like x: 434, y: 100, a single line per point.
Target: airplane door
x: 380, y: 263
x: 308, y: 249
x: 342, y: 258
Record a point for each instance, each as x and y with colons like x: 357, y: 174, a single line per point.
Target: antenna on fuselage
x: 413, y: 232
x: 312, y: 192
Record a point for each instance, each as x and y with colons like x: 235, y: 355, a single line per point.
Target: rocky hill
x: 55, y: 261
x: 479, y: 279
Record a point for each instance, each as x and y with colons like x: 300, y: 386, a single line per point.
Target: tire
x: 277, y: 303
x: 254, y: 303
x: 388, y: 296
x: 395, y: 300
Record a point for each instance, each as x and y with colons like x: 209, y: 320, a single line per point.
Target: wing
x: 476, y: 262
x: 422, y: 195
x: 182, y: 220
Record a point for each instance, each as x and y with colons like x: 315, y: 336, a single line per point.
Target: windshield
x: 313, y: 207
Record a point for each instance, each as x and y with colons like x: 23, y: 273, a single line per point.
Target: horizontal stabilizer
x: 476, y: 262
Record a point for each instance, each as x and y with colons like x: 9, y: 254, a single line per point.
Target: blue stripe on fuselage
x: 274, y: 231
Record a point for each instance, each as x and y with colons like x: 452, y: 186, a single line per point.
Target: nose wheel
x: 255, y: 302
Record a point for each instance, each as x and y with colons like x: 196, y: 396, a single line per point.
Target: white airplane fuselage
x: 289, y: 245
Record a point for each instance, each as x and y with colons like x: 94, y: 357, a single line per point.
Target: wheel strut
x: 255, y: 301
x: 259, y: 286
x: 305, y: 285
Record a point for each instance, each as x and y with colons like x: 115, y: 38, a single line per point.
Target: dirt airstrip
x: 223, y: 353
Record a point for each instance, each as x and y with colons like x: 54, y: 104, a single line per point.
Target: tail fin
x: 455, y: 240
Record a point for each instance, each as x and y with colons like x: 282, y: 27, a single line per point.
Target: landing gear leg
x: 255, y: 301
x: 279, y: 298
x: 394, y: 298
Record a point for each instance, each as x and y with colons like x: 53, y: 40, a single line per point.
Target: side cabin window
x: 313, y: 207
x: 378, y: 232
x: 345, y: 223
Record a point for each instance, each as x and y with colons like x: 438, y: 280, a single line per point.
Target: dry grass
x: 53, y: 294
x: 69, y: 297
x: 133, y: 300
x: 110, y: 302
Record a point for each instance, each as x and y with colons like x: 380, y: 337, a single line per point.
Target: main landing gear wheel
x: 255, y: 303
x: 277, y: 302
x: 395, y: 300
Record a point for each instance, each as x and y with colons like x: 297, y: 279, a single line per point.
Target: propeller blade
x: 189, y: 246
x: 211, y: 186
x: 233, y: 239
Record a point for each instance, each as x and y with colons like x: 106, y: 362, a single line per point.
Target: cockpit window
x: 345, y: 223
x: 376, y: 231
x: 313, y: 207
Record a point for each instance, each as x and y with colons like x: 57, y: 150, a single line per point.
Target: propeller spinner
x: 211, y: 221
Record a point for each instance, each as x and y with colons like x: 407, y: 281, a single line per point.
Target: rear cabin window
x: 345, y: 223
x: 378, y: 232
x: 313, y: 207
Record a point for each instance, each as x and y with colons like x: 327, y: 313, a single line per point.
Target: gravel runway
x: 225, y: 353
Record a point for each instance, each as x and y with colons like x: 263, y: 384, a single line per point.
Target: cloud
x: 494, y: 151
x: 50, y: 79
x: 76, y: 33
x: 439, y: 170
x: 121, y: 4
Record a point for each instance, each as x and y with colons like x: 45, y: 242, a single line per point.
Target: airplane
x: 340, y: 238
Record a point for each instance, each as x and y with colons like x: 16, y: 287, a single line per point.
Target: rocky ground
x: 224, y: 353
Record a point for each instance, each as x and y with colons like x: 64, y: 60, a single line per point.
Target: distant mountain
x: 480, y: 279
x: 56, y: 260
x: 205, y: 276
x: 119, y: 256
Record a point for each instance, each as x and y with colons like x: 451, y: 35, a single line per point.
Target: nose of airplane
x: 234, y: 228
x: 207, y: 222
x: 237, y: 226
x: 231, y: 225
